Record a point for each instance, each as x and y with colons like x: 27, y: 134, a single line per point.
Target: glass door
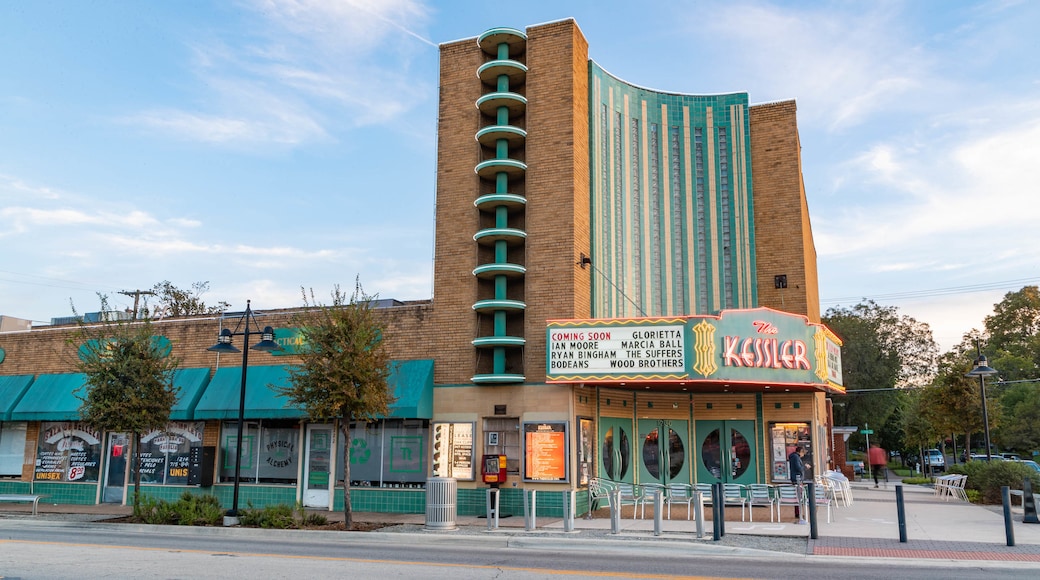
x: 615, y: 449
x: 115, y: 469
x: 727, y: 452
x: 317, y: 484
x: 663, y: 449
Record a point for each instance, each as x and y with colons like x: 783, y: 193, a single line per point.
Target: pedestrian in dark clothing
x: 797, y: 468
x: 878, y: 459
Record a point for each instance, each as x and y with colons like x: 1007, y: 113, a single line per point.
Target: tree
x: 343, y: 368
x: 881, y: 351
x: 1013, y: 348
x: 953, y: 401
x: 918, y: 428
x: 129, y: 382
x: 174, y: 301
x: 1021, y: 406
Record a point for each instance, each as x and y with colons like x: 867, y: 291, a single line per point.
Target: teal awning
x: 190, y: 384
x: 412, y: 383
x: 51, y: 398
x: 11, y: 390
x: 221, y: 397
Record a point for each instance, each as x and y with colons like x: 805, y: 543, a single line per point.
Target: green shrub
x: 917, y: 480
x: 987, y: 477
x: 198, y: 510
x: 158, y: 512
x: 315, y: 520
x: 189, y: 510
x: 279, y: 516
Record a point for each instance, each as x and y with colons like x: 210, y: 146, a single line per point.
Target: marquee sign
x: 757, y: 345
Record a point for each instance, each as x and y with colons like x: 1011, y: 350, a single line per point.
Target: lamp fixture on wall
x: 584, y: 260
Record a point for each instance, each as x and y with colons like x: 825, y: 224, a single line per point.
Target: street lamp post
x: 983, y: 370
x: 224, y: 345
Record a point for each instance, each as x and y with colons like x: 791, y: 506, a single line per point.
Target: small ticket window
x: 493, y: 469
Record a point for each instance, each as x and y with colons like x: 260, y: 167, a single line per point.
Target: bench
x: 15, y: 497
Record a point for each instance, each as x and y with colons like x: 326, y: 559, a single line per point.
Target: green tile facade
x: 672, y: 216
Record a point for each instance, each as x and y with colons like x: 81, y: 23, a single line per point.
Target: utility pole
x: 137, y: 298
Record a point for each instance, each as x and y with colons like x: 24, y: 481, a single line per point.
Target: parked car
x: 983, y: 457
x: 857, y: 467
x: 934, y: 461
x: 1009, y: 456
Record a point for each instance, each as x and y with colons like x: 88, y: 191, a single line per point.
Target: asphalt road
x: 53, y: 550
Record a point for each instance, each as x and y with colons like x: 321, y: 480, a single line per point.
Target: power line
x: 951, y: 290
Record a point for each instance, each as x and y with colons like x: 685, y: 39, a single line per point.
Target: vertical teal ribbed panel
x: 671, y: 200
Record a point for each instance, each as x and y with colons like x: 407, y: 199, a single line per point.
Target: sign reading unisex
x: 758, y: 345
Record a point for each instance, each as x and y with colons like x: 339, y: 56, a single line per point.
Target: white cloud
x: 307, y: 68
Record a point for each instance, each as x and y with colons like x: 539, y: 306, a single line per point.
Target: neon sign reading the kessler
x: 765, y: 353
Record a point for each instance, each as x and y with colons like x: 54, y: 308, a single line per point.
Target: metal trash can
x: 441, y: 503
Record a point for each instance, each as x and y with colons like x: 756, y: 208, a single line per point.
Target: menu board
x: 545, y: 451
x: 453, y: 450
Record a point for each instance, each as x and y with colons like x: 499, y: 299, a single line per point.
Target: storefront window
x: 12, y: 449
x: 784, y: 439
x: 270, y: 452
x: 68, y: 452
x: 164, y: 453
x: 386, y: 453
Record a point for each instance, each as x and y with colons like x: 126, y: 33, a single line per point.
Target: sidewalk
x: 935, y: 529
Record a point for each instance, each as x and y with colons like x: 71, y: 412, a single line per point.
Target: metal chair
x: 788, y: 494
x: 680, y: 493
x: 632, y: 495
x: 761, y: 494
x: 823, y: 499
x: 733, y: 494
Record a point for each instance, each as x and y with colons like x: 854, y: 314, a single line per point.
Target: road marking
x: 546, y: 571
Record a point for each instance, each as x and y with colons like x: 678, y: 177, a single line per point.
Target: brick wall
x: 455, y: 253
x: 783, y: 232
x: 557, y: 184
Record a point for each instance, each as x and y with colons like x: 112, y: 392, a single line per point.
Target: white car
x: 934, y: 460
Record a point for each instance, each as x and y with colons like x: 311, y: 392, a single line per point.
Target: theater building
x: 624, y: 287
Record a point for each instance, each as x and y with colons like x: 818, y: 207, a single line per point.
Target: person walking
x: 878, y: 459
x: 797, y: 469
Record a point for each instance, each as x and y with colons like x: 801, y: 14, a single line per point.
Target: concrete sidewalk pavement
x: 936, y: 529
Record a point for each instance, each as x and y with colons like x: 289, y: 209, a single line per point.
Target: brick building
x: 625, y: 287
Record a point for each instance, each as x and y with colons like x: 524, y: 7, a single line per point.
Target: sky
x: 269, y: 146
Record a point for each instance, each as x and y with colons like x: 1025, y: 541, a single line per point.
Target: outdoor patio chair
x: 733, y: 494
x: 679, y: 493
x: 599, y: 489
x: 760, y: 494
x: 648, y: 490
x: 631, y: 495
x: 841, y: 490
x: 705, y: 489
x: 788, y: 494
x: 822, y: 499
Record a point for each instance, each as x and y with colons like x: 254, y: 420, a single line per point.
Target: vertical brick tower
x: 512, y: 200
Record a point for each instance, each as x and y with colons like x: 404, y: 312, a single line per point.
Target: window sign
x: 453, y: 450
x: 545, y: 451
x: 68, y: 452
x: 164, y: 453
x: 387, y: 453
x: 784, y: 439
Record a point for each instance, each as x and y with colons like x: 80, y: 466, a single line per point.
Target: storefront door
x: 663, y: 443
x: 115, y: 468
x: 317, y: 482
x: 615, y: 449
x: 726, y: 452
